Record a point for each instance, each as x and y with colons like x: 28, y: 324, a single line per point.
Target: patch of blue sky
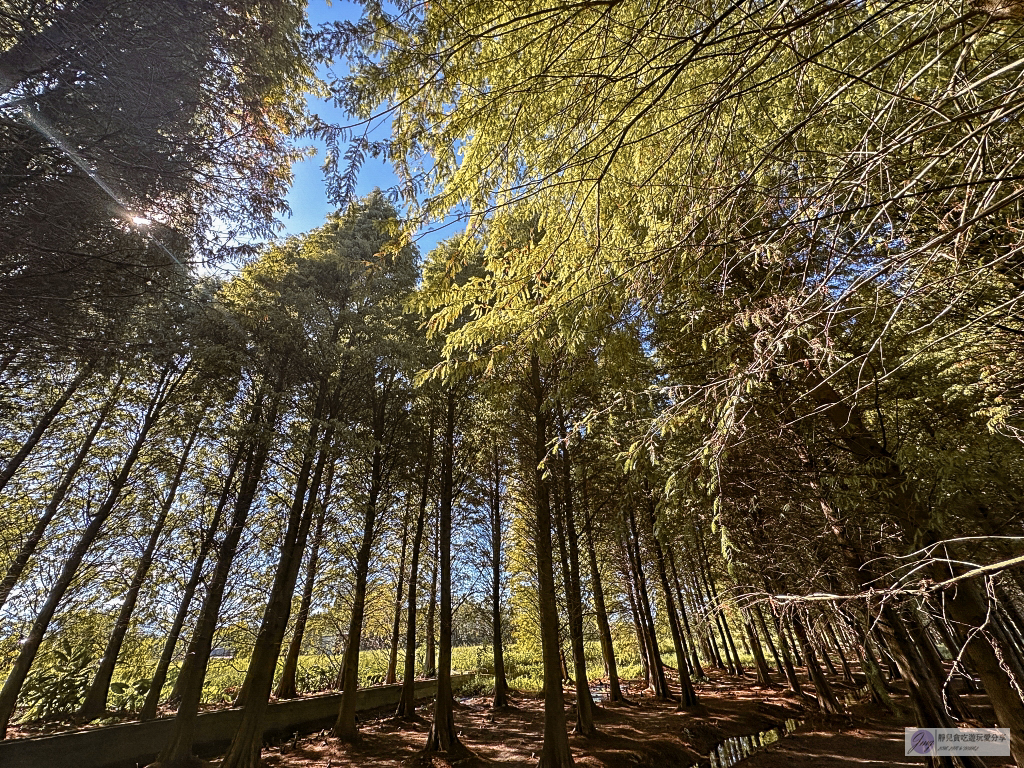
x: 308, y: 198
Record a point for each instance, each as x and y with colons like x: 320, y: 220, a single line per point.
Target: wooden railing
x: 132, y: 745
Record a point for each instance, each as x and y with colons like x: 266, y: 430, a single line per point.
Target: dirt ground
x: 648, y: 734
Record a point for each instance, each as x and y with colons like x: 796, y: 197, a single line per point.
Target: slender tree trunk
x: 584, y: 702
x: 407, y: 703
x: 822, y: 648
x: 826, y: 697
x: 707, y: 617
x: 345, y: 728
x: 156, y: 686
x: 728, y: 645
x: 695, y: 666
x: 831, y: 635
x: 946, y: 636
x: 687, y: 695
x: 500, y: 681
x: 924, y: 681
x: 555, y: 751
x: 568, y: 542
x: 787, y: 659
x: 178, y: 752
x: 286, y: 688
x: 877, y: 689
x: 930, y: 654
x: 430, y: 650
x: 442, y: 736
x: 641, y: 635
x: 30, y: 646
x: 396, y: 626
x: 659, y: 685
x: 794, y: 646
x: 756, y: 610
x: 244, y: 751
x: 764, y: 677
x: 95, y: 703
x: 28, y: 547
x: 923, y: 672
x: 744, y: 640
x: 603, y: 627
x: 43, y: 424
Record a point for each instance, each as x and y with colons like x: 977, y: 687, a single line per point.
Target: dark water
x: 729, y: 752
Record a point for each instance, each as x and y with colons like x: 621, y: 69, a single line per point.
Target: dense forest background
x: 724, y: 364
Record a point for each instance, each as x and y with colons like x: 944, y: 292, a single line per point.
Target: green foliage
x: 128, y: 696
x: 58, y: 685
x: 315, y: 676
x: 478, y: 685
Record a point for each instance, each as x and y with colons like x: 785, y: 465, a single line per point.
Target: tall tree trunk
x: 286, y: 688
x: 584, y: 702
x: 830, y: 634
x: 759, y: 616
x: 430, y: 649
x: 764, y: 677
x: 787, y: 658
x: 442, y: 736
x: 345, y: 727
x: 638, y: 627
x: 156, y: 686
x: 95, y: 703
x: 695, y: 666
x: 924, y: 681
x: 826, y: 697
x: 178, y: 752
x: 687, y: 695
x: 822, y: 648
x: 659, y: 685
x: 923, y: 672
x: 603, y: 627
x: 500, y: 681
x: 728, y: 646
x: 568, y: 541
x: 555, y: 751
x: 407, y: 703
x: 30, y: 646
x: 396, y: 625
x: 43, y: 424
x: 28, y: 547
x: 706, y: 613
x: 877, y: 689
x: 793, y: 645
x: 244, y: 751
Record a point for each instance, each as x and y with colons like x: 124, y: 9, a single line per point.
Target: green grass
x: 523, y: 668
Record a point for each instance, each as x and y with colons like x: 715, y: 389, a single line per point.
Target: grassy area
x: 523, y: 667
x: 317, y: 672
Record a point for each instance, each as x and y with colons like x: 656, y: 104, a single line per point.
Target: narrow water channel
x: 729, y: 752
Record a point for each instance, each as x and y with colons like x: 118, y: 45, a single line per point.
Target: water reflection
x: 736, y: 748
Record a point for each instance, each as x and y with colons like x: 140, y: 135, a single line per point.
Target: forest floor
x: 649, y: 734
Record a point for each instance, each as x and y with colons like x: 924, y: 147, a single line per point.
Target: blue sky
x: 308, y: 199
